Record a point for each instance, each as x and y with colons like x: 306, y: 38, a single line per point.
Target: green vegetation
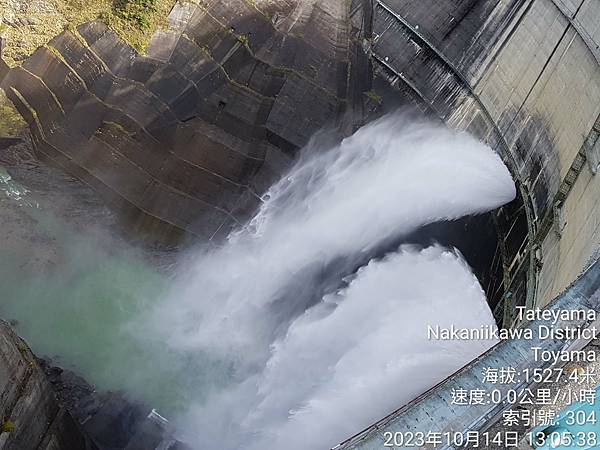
x: 135, y: 21
x: 8, y: 426
x: 136, y: 12
x: 375, y: 97
x: 11, y: 122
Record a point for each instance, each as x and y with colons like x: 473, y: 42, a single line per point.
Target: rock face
x: 108, y: 418
x: 31, y: 416
x: 189, y: 136
x: 29, y: 24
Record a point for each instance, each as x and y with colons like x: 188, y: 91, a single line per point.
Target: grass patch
x: 135, y: 21
x: 11, y: 122
x: 136, y: 12
x: 7, y: 427
x: 375, y: 97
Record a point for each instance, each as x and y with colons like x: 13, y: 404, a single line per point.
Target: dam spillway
x: 214, y: 117
x: 177, y: 349
x: 482, y: 71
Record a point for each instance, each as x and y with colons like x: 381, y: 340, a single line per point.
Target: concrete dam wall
x: 188, y: 136
x: 523, y: 76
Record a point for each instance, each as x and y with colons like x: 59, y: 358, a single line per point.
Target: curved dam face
x: 189, y: 136
x: 523, y: 76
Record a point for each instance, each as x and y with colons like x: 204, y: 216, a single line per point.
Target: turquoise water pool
x: 80, y: 297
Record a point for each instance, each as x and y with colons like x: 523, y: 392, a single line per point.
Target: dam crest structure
x: 187, y: 137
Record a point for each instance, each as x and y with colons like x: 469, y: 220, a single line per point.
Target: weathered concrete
x: 31, y: 416
x: 524, y: 76
x: 188, y: 137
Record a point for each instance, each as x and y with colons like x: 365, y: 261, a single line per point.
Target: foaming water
x: 314, y: 350
x: 302, y: 327
x: 353, y: 358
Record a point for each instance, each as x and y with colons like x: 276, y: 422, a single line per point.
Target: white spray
x: 309, y: 361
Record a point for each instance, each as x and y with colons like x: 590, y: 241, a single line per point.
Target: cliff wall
x: 30, y: 415
x: 26, y: 25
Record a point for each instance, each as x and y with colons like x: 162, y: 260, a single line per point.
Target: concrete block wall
x: 188, y: 136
